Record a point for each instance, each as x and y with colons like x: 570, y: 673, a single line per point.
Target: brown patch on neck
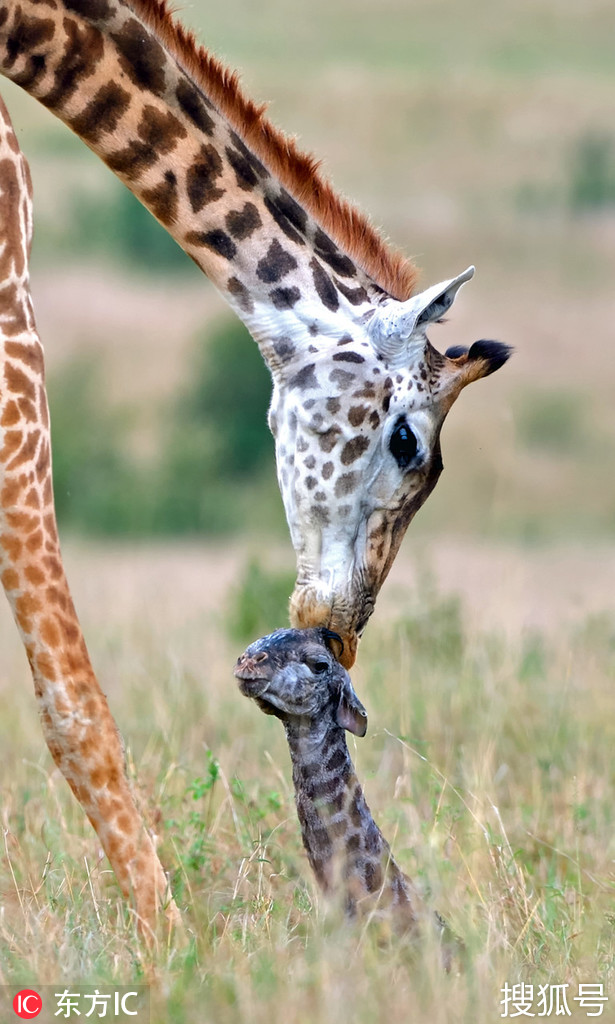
x: 295, y: 170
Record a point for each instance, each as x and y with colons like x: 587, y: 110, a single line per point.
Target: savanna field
x: 480, y: 133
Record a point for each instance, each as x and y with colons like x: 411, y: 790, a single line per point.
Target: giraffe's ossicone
x: 359, y: 393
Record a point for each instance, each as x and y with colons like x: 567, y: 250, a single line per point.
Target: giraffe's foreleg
x: 77, y: 724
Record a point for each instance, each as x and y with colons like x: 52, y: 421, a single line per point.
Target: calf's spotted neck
x: 294, y: 675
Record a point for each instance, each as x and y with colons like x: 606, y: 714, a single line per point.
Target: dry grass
x: 488, y: 763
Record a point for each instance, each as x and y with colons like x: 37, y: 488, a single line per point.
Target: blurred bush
x: 97, y: 487
x: 228, y: 396
x: 552, y: 422
x: 214, y: 467
x: 116, y: 226
x: 216, y: 440
x: 433, y: 629
x: 592, y: 173
x: 259, y: 603
x: 586, y: 184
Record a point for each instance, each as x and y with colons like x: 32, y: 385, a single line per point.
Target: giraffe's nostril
x: 254, y: 667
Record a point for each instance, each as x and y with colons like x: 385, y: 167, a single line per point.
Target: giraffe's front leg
x: 77, y: 724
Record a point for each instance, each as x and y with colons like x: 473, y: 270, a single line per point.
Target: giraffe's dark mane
x: 298, y: 172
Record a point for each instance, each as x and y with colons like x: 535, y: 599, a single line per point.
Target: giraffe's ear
x: 351, y: 714
x: 464, y: 366
x: 399, y: 327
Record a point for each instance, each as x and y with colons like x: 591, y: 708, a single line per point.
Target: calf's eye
x: 319, y: 666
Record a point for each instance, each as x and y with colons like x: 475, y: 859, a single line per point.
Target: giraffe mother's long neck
x: 345, y: 847
x: 172, y: 124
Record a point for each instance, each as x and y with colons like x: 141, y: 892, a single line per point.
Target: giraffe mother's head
x: 357, y: 420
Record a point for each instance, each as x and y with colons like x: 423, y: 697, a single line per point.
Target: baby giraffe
x: 294, y: 674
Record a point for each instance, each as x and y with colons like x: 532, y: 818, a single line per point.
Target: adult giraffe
x: 359, y: 394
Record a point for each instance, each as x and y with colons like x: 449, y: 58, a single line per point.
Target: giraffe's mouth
x: 253, y: 687
x: 254, y: 674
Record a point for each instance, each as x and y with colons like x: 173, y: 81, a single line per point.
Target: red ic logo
x: 27, y: 1004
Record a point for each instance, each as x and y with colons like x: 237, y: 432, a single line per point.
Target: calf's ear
x: 351, y: 714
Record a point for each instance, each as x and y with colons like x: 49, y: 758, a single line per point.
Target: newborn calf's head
x: 295, y: 675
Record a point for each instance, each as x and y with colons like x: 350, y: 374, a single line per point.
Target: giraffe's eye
x: 318, y: 665
x: 403, y: 445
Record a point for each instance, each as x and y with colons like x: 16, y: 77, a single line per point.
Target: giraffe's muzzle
x: 308, y: 610
x: 254, y: 673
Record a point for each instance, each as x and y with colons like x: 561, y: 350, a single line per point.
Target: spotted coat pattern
x: 77, y: 724
x: 173, y: 126
x: 323, y: 297
x: 293, y: 674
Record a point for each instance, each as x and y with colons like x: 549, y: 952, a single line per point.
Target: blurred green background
x: 477, y: 133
